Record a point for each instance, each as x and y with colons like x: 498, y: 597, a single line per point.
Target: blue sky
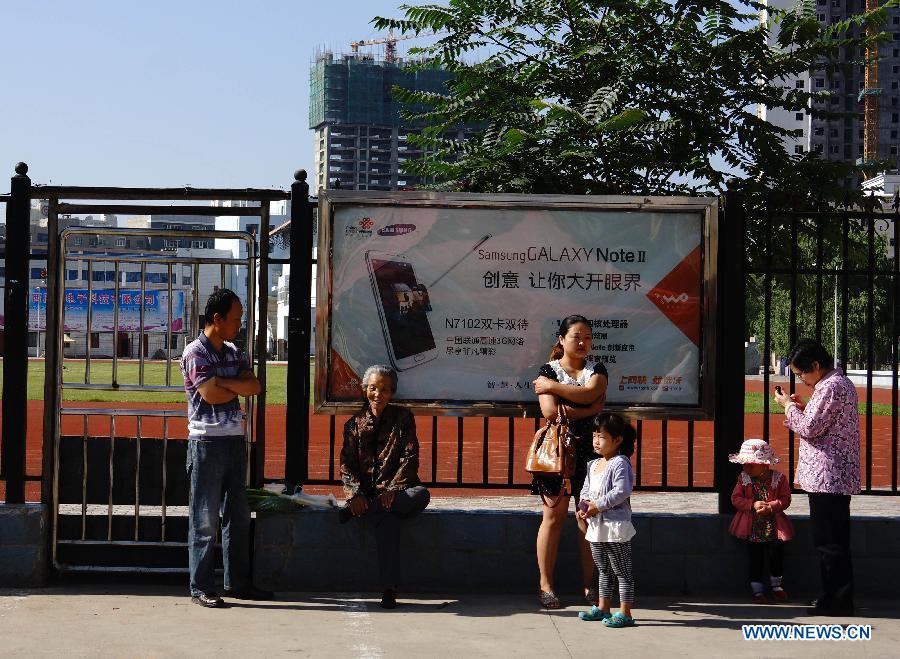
x: 163, y: 93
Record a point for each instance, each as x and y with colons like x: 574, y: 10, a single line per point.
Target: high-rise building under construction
x: 851, y: 90
x: 361, y: 141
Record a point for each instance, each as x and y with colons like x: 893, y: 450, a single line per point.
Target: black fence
x: 782, y: 275
x: 14, y: 443
x: 489, y: 453
x: 835, y: 277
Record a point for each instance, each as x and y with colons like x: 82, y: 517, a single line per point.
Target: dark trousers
x: 217, y: 473
x: 829, y: 516
x: 407, y: 503
x: 758, y: 551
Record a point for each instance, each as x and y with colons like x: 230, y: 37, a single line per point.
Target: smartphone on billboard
x: 402, y: 304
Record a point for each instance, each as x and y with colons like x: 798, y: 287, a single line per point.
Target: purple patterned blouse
x: 829, y: 437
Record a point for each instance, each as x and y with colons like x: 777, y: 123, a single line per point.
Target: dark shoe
x: 250, y: 592
x: 389, y: 599
x: 344, y: 515
x: 549, y: 600
x: 209, y: 600
x: 760, y: 598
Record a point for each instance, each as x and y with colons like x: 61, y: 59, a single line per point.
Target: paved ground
x: 666, y: 502
x: 156, y: 620
x: 685, y: 503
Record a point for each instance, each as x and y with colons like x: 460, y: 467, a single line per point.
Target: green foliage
x: 261, y: 500
x: 819, y: 248
x: 624, y: 96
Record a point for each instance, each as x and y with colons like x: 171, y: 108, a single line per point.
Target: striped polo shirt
x: 201, y: 362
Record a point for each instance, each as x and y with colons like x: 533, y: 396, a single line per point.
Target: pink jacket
x: 779, y: 498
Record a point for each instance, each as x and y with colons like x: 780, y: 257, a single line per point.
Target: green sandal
x: 619, y: 620
x: 596, y: 613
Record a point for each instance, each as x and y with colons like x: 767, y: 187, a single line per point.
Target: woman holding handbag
x: 570, y: 384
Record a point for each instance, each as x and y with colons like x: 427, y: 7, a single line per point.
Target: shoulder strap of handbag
x: 561, y: 413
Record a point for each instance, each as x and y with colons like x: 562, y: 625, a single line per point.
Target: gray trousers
x: 387, y: 523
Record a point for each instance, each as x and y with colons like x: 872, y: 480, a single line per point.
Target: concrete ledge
x: 495, y: 551
x: 23, y: 544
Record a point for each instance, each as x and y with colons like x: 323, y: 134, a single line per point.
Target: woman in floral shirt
x: 380, y: 471
x: 828, y: 469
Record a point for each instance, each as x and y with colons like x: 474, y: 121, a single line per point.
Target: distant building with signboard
x: 101, y: 276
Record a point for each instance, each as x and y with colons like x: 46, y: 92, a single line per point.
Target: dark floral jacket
x: 380, y: 454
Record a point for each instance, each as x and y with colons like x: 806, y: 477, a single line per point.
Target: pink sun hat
x: 755, y: 451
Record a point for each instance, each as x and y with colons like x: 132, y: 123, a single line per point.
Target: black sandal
x: 549, y: 600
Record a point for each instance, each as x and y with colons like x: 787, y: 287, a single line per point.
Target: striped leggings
x: 614, y: 558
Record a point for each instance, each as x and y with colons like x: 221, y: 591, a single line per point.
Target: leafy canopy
x: 625, y: 96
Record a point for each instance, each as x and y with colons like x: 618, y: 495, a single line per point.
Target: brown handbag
x: 552, y: 453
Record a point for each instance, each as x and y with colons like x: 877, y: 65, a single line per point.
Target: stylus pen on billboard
x: 474, y: 247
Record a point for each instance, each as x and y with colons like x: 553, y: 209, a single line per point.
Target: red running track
x: 648, y: 460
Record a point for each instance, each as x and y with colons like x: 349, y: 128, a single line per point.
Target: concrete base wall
x: 495, y: 550
x: 23, y: 544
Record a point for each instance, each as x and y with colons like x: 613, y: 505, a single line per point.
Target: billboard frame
x: 706, y: 207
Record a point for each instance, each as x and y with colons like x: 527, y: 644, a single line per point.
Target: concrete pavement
x: 693, y: 503
x: 151, y: 619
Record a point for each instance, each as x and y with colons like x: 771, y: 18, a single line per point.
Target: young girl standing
x: 760, y: 497
x: 580, y: 386
x: 605, y: 504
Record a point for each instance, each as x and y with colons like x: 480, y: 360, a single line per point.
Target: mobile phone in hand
x: 778, y: 389
x: 583, y: 506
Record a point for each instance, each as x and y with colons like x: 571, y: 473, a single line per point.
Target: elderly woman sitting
x: 379, y: 467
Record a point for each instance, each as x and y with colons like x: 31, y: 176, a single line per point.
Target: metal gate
x: 120, y: 490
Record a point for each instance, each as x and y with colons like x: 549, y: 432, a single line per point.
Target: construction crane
x: 869, y: 95
x: 390, y: 43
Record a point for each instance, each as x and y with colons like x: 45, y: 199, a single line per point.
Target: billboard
x: 463, y: 295
x: 156, y: 310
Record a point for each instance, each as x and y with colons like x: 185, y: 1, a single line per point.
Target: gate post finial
x: 296, y: 459
x: 15, y: 297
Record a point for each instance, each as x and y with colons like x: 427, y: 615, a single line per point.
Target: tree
x: 822, y: 238
x: 653, y: 97
x: 623, y: 96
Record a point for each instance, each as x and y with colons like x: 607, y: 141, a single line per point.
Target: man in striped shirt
x: 216, y: 373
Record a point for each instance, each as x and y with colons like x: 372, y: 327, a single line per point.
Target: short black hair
x: 808, y: 351
x: 617, y: 426
x: 219, y: 302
